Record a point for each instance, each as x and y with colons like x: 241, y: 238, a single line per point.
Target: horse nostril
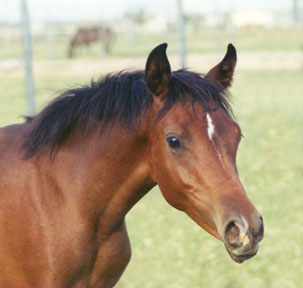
x: 260, y: 234
x: 232, y: 235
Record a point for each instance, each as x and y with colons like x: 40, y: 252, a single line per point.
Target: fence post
x: 27, y: 54
x: 181, y: 34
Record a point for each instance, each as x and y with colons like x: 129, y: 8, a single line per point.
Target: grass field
x: 170, y: 250
x: 250, y: 40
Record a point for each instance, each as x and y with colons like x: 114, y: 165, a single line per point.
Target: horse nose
x: 241, y: 238
x: 235, y: 233
x: 239, y: 233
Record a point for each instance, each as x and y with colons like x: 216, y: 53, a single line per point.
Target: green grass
x: 169, y: 249
x: 139, y: 44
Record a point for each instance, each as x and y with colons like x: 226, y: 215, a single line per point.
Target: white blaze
x: 210, y: 132
x: 211, y: 127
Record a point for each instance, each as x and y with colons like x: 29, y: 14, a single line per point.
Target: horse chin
x: 241, y: 257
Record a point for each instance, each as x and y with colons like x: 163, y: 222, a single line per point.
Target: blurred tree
x: 138, y: 17
x: 195, y: 21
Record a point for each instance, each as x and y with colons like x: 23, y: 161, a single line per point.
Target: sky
x: 108, y: 10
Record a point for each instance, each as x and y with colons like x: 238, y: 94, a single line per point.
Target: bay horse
x: 70, y: 174
x: 87, y: 36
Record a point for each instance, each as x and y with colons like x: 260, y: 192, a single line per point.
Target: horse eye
x: 173, y: 142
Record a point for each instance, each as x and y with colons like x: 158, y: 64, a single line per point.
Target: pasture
x: 55, y: 45
x: 168, y: 248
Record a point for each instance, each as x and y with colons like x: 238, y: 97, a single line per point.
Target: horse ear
x: 157, y: 71
x: 224, y: 71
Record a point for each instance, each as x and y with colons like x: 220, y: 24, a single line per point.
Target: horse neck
x: 108, y: 172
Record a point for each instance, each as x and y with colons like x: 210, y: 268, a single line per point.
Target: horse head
x: 193, y: 155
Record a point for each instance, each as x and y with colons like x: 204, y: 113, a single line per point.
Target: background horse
x: 87, y: 36
x: 89, y: 156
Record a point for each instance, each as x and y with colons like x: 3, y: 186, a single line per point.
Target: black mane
x: 121, y: 97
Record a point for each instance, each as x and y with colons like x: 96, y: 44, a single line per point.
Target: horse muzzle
x: 241, y: 240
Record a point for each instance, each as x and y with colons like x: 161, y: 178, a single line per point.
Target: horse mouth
x: 241, y: 258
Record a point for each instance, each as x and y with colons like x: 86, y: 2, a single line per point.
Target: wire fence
x: 133, y: 34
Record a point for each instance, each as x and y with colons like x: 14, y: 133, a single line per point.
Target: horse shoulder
x: 36, y: 219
